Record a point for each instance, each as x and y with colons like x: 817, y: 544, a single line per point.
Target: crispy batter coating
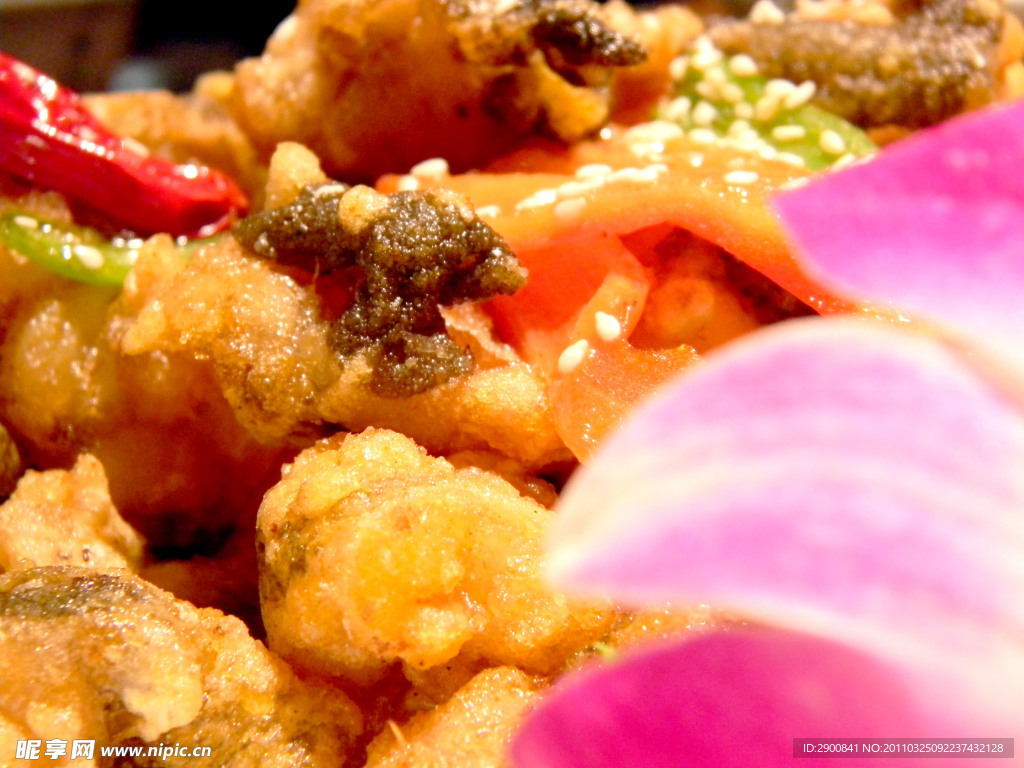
x: 373, y: 552
x: 413, y: 252
x: 11, y: 465
x: 268, y: 339
x: 463, y: 79
x: 63, y: 517
x: 225, y: 580
x: 187, y: 128
x: 472, y: 730
x: 111, y: 658
x: 169, y: 442
x: 938, y: 59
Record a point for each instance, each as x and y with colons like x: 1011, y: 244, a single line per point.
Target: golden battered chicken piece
x: 265, y: 332
x: 374, y: 87
x: 179, y: 465
x: 111, y: 658
x: 11, y: 465
x: 472, y: 730
x: 225, y: 580
x: 373, y: 552
x: 63, y: 517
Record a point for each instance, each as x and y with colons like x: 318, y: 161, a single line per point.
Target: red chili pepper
x: 49, y: 138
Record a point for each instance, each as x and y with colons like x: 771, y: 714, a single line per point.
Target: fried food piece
x: 472, y: 730
x: 170, y: 444
x: 412, y: 252
x: 665, y: 31
x: 935, y: 59
x: 187, y: 128
x: 11, y: 465
x: 66, y: 518
x: 225, y: 580
x: 111, y: 658
x: 373, y: 552
x: 463, y: 79
x: 267, y: 334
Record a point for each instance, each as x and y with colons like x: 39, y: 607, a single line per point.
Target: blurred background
x: 93, y: 45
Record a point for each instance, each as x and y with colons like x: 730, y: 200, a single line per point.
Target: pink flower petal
x: 933, y: 227
x: 736, y: 698
x: 833, y: 476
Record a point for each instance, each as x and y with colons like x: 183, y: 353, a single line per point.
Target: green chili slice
x: 728, y: 97
x: 75, y: 252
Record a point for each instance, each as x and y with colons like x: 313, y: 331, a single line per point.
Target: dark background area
x: 94, y: 45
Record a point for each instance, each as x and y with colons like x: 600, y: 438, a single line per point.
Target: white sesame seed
x: 26, y: 222
x: 696, y: 159
x: 678, y: 66
x: 89, y: 256
x: 330, y: 190
x: 750, y: 143
x: 656, y: 168
x: 766, y: 12
x: 488, y: 211
x: 741, y: 177
x: 578, y: 188
x: 572, y: 356
x: 716, y: 75
x: 844, y: 162
x: 799, y: 181
x: 732, y: 93
x: 537, y: 199
x: 678, y: 108
x: 742, y: 65
x: 779, y: 88
x: 738, y: 128
x: 800, y: 95
x: 706, y: 58
x: 768, y: 152
x: 134, y: 146
x: 568, y: 211
x: 607, y: 326
x: 831, y: 143
x: 788, y: 132
x: 593, y: 170
x: 766, y: 108
x: 707, y: 89
x: 634, y: 175
x: 407, y: 184
x: 654, y: 131
x: 702, y: 136
x: 791, y: 159
x: 649, y: 150
x: 434, y: 168
x: 703, y: 43
x: 704, y: 114
x: 744, y: 110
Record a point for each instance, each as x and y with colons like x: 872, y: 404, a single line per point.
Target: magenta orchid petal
x: 736, y: 698
x: 832, y: 476
x: 933, y: 227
